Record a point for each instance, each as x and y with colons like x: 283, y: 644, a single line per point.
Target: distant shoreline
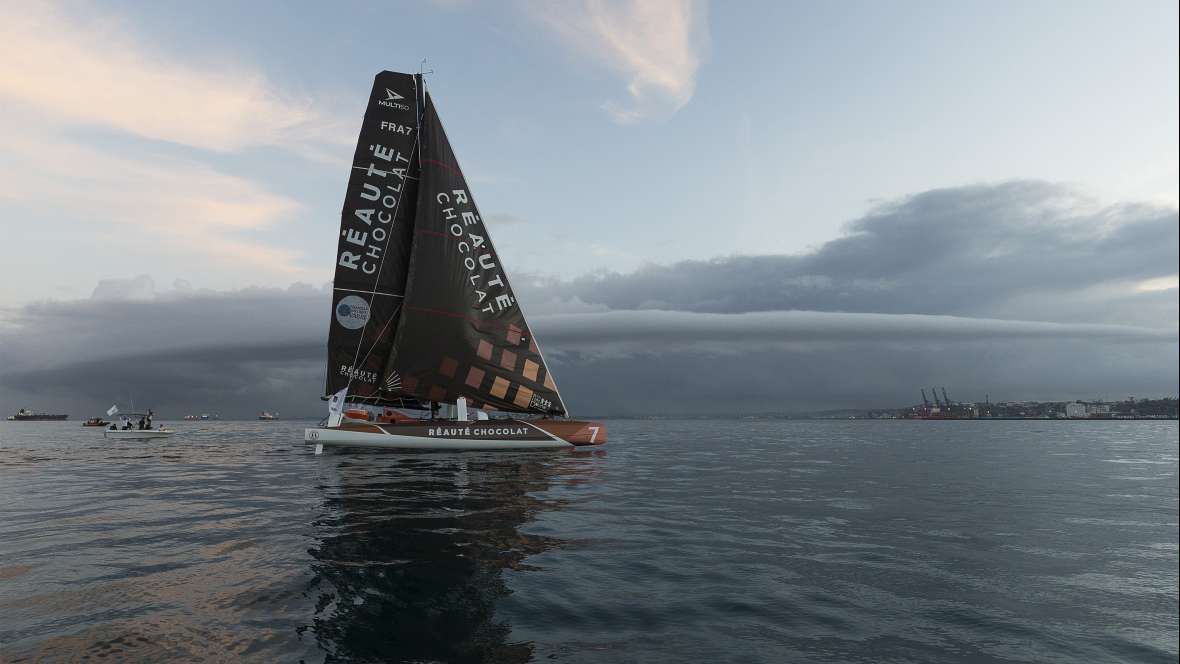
x: 735, y: 418
x: 830, y: 418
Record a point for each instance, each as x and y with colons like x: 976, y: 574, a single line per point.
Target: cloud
x: 97, y: 71
x: 504, y: 219
x: 142, y: 287
x: 658, y: 45
x: 1016, y: 250
x: 808, y: 378
x: 238, y: 352
x: 235, y: 380
x: 72, y: 77
x: 661, y: 331
x: 181, y: 205
x: 900, y: 301
x: 1171, y: 282
x: 128, y: 318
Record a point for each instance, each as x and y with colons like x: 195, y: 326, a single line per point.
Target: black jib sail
x: 462, y: 333
x: 376, y: 226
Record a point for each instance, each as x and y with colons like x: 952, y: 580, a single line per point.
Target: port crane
x: 946, y: 401
x: 925, y: 402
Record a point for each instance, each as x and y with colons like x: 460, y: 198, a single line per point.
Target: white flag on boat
x: 113, y: 409
x: 336, y: 408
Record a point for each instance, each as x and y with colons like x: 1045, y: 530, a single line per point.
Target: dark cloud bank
x: 1021, y: 290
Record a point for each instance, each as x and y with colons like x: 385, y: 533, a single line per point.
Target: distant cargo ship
x: 26, y: 415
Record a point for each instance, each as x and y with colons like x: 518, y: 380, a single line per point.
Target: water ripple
x: 680, y: 541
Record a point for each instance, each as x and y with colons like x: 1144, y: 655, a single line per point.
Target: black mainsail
x: 376, y: 229
x: 461, y: 332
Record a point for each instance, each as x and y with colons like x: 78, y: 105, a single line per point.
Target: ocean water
x: 679, y: 541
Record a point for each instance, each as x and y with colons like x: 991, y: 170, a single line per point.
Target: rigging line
x: 374, y: 292
x: 385, y: 252
x: 380, y: 334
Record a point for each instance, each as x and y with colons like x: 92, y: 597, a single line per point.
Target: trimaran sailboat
x: 422, y: 310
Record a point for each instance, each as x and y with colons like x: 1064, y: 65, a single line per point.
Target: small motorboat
x: 96, y: 422
x: 130, y: 430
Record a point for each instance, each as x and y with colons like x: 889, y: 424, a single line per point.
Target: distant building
x: 1075, y: 409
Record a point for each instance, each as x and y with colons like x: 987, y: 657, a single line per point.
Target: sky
x: 725, y: 207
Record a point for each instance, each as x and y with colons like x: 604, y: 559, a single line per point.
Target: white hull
x: 137, y: 434
x: 343, y: 438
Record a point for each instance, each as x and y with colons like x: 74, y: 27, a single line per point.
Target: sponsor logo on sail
x: 357, y: 228
x: 352, y: 312
x: 492, y: 294
x: 393, y: 100
x: 353, y: 373
x: 397, y: 128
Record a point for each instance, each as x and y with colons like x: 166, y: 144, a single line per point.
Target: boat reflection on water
x: 413, y: 546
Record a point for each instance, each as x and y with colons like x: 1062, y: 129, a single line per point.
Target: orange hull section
x: 577, y: 433
x: 574, y: 431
